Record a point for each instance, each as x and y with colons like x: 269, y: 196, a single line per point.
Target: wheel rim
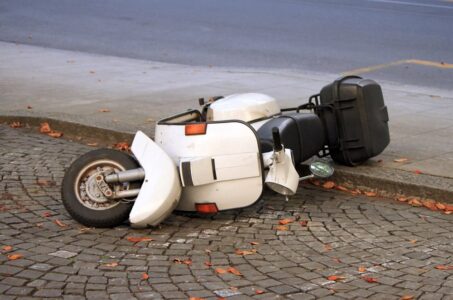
x: 86, y: 189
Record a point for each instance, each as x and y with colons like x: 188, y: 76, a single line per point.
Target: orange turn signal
x: 206, y: 208
x: 196, y: 129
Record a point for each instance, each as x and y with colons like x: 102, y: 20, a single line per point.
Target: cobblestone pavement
x: 355, y: 238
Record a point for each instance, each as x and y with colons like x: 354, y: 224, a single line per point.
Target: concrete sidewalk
x: 74, y: 87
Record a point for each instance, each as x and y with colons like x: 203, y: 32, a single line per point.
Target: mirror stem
x: 306, y: 177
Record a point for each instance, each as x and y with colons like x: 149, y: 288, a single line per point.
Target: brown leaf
x: 282, y: 228
x: 245, y: 252
x: 138, y: 239
x: 16, y: 125
x: 122, y: 146
x: 92, y: 144
x: 418, y: 172
x: 415, y: 202
x: 208, y: 263
x: 402, y: 199
x: 60, y: 223
x: 413, y: 241
x: 145, y: 276
x: 285, y: 221
x: 259, y: 292
x: 303, y: 223
x: 369, y: 279
x: 7, y: 248
x: 370, y: 194
x: 220, y: 271
x: 55, y: 134
x: 103, y: 110
x: 448, y: 207
x: 327, y: 247
x: 234, y: 271
x: 111, y: 265
x: 15, y: 256
x: 430, y: 204
x: 401, y: 160
x: 444, y: 267
x: 362, y: 269
x: 196, y: 298
x: 46, y: 214
x: 335, y: 278
x: 341, y: 188
x: 440, y: 206
x: 187, y: 262
x: 254, y: 243
x: 45, y: 128
x: 407, y: 297
x: 328, y: 185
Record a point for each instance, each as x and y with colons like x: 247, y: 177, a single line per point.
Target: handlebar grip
x: 276, y: 137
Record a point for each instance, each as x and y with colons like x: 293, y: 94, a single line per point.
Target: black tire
x: 70, y: 190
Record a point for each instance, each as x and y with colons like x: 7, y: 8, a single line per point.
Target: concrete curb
x: 385, y: 181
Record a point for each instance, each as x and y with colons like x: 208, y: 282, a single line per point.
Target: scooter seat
x: 301, y: 132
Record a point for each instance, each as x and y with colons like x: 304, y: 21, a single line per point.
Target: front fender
x: 161, y: 188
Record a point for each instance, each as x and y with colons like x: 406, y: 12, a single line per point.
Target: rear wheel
x: 82, y: 196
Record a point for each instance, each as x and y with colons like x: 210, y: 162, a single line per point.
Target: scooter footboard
x: 161, y: 188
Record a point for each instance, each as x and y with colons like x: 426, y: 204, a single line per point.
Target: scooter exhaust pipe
x: 126, y: 176
x: 126, y: 194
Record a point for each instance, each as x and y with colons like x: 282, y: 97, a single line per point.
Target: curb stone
x: 386, y: 182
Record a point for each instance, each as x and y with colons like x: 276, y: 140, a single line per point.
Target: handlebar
x: 276, y: 138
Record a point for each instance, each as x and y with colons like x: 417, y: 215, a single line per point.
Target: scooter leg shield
x: 161, y: 188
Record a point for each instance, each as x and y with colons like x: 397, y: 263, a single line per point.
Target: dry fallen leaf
x: 46, y: 214
x: 448, y: 207
x: 303, y: 223
x: 111, y: 265
x: 335, y: 278
x: 234, y: 271
x: 369, y: 279
x: 415, y: 202
x: 55, y: 134
x: 220, y: 271
x: 60, y: 223
x: 370, y: 194
x: 103, y: 110
x: 285, y: 221
x: 341, y: 188
x: 7, y: 248
x: 418, y: 172
x: 444, y: 267
x: 259, y: 292
x: 327, y: 247
x: 402, y: 199
x: 282, y: 228
x: 196, y: 298
x: 92, y: 144
x: 430, y: 204
x: 440, y: 206
x: 407, y: 297
x: 16, y: 125
x: 208, y: 263
x: 122, y: 146
x: 328, y: 185
x: 245, y: 252
x: 137, y: 239
x: 45, y: 128
x: 45, y: 182
x: 145, y: 276
x: 362, y: 269
x: 254, y: 243
x: 413, y: 241
x: 15, y: 256
x: 401, y: 160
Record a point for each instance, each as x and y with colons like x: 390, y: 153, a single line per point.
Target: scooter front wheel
x: 82, y: 195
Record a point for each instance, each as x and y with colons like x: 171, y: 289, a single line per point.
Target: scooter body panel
x: 161, y: 188
x: 232, y: 146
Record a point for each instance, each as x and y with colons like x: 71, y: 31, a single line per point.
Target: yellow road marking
x: 427, y: 63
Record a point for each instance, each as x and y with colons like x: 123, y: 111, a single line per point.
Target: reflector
x: 196, y: 129
x: 206, y: 208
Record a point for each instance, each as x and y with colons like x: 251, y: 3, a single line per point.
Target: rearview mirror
x: 321, y: 169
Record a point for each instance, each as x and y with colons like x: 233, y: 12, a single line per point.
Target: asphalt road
x: 312, y: 35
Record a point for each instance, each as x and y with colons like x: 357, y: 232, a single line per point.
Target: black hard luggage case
x: 355, y: 119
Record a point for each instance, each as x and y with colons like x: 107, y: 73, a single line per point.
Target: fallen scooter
x: 222, y: 156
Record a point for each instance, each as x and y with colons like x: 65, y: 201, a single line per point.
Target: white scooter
x: 207, y: 161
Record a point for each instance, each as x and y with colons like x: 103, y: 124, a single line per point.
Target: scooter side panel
x: 161, y: 188
x: 221, y: 139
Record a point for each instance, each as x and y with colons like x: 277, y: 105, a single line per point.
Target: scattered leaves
x: 259, y: 292
x: 440, y: 206
x: 60, y: 223
x: 45, y: 128
x: 362, y: 269
x: 415, y: 202
x: 402, y: 199
x: 104, y: 110
x: 220, y: 271
x: 7, y: 248
x: 122, y: 146
x: 335, y: 278
x: 369, y: 279
x: 245, y: 252
x: 282, y: 228
x: 15, y: 256
x: 370, y: 194
x: 55, y: 134
x: 444, y: 267
x: 145, y: 276
x: 16, y: 125
x: 180, y: 261
x: 401, y: 160
x: 234, y: 271
x: 341, y: 188
x: 285, y: 221
x: 303, y: 223
x: 328, y: 185
x: 138, y: 239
